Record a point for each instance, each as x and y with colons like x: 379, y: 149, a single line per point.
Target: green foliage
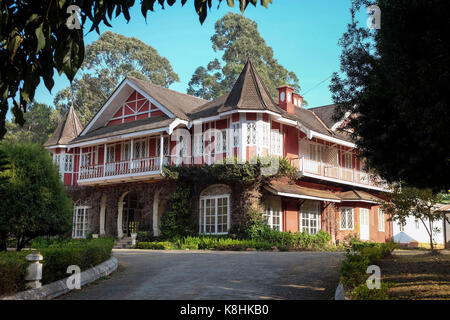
x: 239, y: 39
x: 176, y: 219
x: 59, y: 254
x: 13, y: 267
x: 36, y: 40
x: 362, y: 292
x: 41, y: 121
x: 34, y: 201
x: 397, y: 85
x: 353, y: 268
x: 108, y: 61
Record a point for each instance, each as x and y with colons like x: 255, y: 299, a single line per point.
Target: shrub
x: 144, y: 236
x: 353, y: 270
x: 59, y: 254
x: 362, y: 292
x: 13, y: 266
x: 165, y: 245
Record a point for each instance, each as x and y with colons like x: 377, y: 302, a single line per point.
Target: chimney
x: 285, y: 98
x: 298, y: 100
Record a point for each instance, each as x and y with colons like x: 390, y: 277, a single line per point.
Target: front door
x: 364, y: 230
x: 129, y: 214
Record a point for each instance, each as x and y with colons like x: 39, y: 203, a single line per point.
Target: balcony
x: 330, y: 172
x: 119, y: 171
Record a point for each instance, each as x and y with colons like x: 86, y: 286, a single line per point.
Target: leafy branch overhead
x: 35, y: 41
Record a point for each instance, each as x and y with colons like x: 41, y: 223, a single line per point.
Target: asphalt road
x: 217, y: 275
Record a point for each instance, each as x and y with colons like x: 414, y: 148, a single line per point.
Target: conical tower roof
x: 249, y: 92
x: 68, y: 129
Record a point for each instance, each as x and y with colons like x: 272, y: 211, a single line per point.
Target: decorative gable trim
x: 130, y: 84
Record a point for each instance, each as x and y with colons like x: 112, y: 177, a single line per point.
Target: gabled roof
x: 180, y: 104
x: 296, y: 191
x: 68, y: 129
x: 325, y: 113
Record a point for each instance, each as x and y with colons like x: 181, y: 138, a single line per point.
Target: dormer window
x: 282, y: 96
x: 288, y: 97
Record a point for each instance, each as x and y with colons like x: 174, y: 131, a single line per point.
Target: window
x: 80, y: 222
x: 221, y: 146
x: 266, y: 134
x: 214, y: 214
x: 236, y: 129
x: 140, y: 149
x: 346, y: 219
x: 401, y: 227
x: 166, y: 146
x: 198, y: 144
x: 316, y: 152
x: 110, y: 153
x: 348, y: 160
x: 380, y: 220
x: 251, y: 133
x: 417, y: 223
x: 224, y: 141
x: 68, y: 163
x: 276, y: 142
x: 309, y: 217
x: 125, y: 151
x: 272, y: 217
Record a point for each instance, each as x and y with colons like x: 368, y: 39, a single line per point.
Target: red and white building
x: 113, y: 166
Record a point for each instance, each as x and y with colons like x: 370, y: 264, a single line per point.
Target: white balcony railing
x: 120, y: 168
x: 335, y: 172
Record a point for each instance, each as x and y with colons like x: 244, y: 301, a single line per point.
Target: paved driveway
x: 217, y: 275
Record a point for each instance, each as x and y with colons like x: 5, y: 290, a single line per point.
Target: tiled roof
x: 293, y: 189
x: 124, y: 128
x: 354, y: 195
x: 68, y: 129
x: 325, y: 113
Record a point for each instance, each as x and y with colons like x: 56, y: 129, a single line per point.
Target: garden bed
x: 58, y: 255
x: 417, y: 275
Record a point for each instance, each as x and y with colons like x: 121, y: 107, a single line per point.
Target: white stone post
x: 34, y: 271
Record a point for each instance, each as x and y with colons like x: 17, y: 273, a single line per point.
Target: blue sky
x: 304, y: 35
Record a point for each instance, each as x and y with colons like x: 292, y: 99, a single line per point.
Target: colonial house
x: 113, y: 168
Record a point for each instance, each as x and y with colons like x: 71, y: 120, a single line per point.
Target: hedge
x: 58, y: 255
x: 353, y: 269
x: 283, y: 241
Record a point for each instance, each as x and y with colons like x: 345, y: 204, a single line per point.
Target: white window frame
x: 198, y: 144
x: 68, y: 163
x: 266, y: 135
x: 270, y: 214
x: 309, y: 216
x: 77, y: 232
x: 381, y: 222
x: 202, y: 213
x: 236, y: 127
x: 251, y: 137
x: 346, y: 218
x: 123, y: 155
x: 143, y: 143
x: 276, y: 142
x: 110, y: 150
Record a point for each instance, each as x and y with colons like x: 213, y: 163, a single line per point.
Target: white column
x: 79, y: 163
x: 156, y: 213
x: 131, y: 154
x: 119, y: 219
x: 243, y: 138
x: 104, y: 160
x: 161, y: 151
x: 102, y: 214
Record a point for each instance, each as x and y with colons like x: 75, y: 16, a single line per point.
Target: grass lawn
x: 418, y: 275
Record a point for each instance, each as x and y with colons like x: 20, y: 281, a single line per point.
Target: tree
x: 41, y: 121
x: 108, y: 61
x: 239, y: 39
x: 419, y: 203
x: 176, y: 219
x: 40, y: 36
x: 4, y: 165
x: 34, y: 202
x: 396, y: 80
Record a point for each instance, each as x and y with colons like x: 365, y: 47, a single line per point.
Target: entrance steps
x: 124, y: 243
